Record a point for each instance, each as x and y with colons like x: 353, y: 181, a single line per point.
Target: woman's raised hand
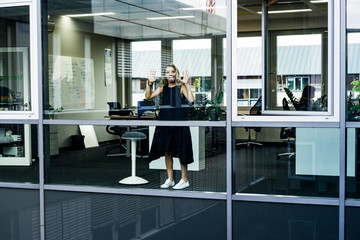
x: 151, y: 76
x: 186, y: 77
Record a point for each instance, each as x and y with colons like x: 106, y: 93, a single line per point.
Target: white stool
x: 133, y: 137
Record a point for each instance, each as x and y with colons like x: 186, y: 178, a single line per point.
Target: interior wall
x: 66, y: 131
x: 67, y: 40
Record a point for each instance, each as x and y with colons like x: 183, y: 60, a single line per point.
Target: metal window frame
x: 232, y: 120
x: 332, y: 115
x: 34, y: 58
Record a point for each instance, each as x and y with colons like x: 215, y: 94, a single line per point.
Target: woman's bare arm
x: 185, y: 89
x: 149, y: 94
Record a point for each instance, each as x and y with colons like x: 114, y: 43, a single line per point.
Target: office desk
x: 129, y: 117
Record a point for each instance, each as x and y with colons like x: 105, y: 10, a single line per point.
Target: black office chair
x: 255, y: 110
x: 115, y: 130
x: 287, y: 133
x: 118, y: 131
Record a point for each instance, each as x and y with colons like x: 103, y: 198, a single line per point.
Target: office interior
x: 95, y: 74
x: 121, y: 61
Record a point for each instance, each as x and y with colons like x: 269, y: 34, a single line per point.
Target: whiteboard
x: 71, y: 82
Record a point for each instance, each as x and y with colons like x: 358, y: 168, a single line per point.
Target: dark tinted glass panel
x: 100, y: 216
x: 19, y: 160
x: 19, y: 214
x: 287, y: 161
x: 102, y: 156
x: 352, y: 225
x: 352, y: 169
x: 271, y: 221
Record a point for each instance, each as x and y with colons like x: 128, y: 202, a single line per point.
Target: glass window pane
x: 113, y: 54
x: 132, y: 217
x: 352, y: 215
x: 296, y: 48
x: 15, y: 86
x: 291, y: 62
x: 305, y: 82
x: 287, y: 161
x: 298, y: 83
x: 20, y: 217
x: 352, y: 156
x: 352, y: 13
x: 284, y: 221
x: 296, y: 55
x: 353, y: 73
x: 290, y: 83
x: 255, y: 93
x: 107, y: 161
x: 19, y: 160
x: 143, y: 53
x: 249, y: 66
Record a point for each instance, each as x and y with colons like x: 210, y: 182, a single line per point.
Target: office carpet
x: 92, y: 167
x: 257, y: 169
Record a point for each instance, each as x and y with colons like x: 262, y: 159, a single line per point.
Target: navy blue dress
x: 176, y: 140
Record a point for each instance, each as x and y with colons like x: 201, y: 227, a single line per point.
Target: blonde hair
x: 164, y: 81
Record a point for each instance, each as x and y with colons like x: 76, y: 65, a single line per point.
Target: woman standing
x: 172, y: 141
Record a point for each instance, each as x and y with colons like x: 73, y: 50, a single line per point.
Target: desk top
x: 129, y: 117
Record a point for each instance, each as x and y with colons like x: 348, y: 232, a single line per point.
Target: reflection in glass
x: 352, y: 80
x: 116, y: 45
x: 104, y: 216
x: 18, y: 153
x: 284, y: 221
x: 14, y: 59
x: 195, y: 56
x: 144, y: 53
x: 287, y: 161
x: 249, y: 55
x: 69, y: 160
x: 352, y: 156
x: 20, y: 215
x: 249, y: 69
x: 297, y: 55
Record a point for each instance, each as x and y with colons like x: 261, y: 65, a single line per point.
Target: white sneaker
x: 168, y: 183
x: 181, y: 185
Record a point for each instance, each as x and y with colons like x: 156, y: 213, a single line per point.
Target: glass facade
x: 296, y: 56
x: 284, y: 221
x: 287, y: 161
x: 19, y: 158
x: 211, y: 119
x: 14, y: 59
x: 108, y: 160
x: 20, y: 214
x: 103, y: 216
x: 124, y: 54
x: 352, y: 228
